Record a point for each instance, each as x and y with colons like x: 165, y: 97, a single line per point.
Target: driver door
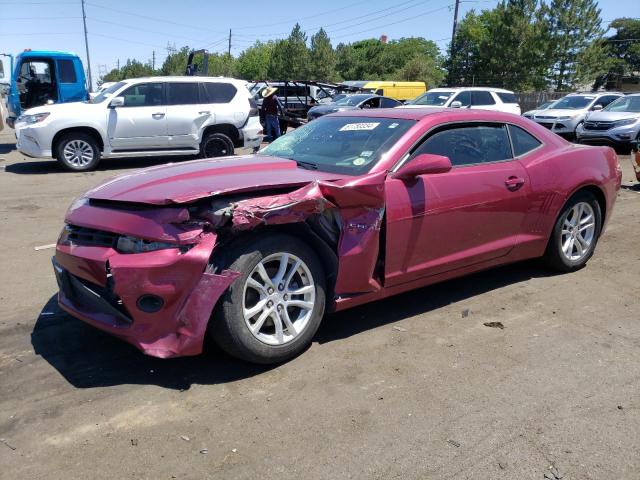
x: 141, y: 123
x: 471, y: 214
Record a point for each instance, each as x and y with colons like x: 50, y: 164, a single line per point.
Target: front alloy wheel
x: 279, y: 296
x: 271, y: 312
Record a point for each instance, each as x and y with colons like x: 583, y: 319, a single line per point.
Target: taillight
x: 253, y: 108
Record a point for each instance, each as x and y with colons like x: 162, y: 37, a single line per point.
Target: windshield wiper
x: 307, y: 165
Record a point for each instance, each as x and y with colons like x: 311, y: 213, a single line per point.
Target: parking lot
x: 415, y: 386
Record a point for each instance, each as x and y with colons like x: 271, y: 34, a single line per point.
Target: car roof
x: 592, y: 94
x: 422, y: 113
x: 176, y: 78
x: 458, y: 89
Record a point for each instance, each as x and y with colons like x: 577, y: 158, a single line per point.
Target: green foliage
x: 322, y: 58
x: 253, y: 63
x: 176, y: 61
x: 573, y: 25
x: 131, y: 69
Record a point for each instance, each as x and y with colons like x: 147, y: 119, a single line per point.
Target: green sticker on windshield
x: 359, y: 161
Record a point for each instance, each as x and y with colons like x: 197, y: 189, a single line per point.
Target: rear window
x: 482, y: 98
x: 523, y: 142
x: 66, y: 72
x: 182, y: 93
x: 507, y: 97
x: 217, y: 92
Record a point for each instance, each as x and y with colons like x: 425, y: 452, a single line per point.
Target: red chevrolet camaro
x: 348, y: 209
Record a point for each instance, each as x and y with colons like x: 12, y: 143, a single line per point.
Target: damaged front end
x: 149, y: 273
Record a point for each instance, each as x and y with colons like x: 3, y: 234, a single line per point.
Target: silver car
x: 566, y: 114
x: 618, y: 124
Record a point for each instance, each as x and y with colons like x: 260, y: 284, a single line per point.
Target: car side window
x: 481, y: 97
x: 182, y: 93
x: 464, y: 98
x: 217, y: 92
x: 143, y: 95
x: 606, y: 100
x: 469, y: 144
x: 523, y: 142
x: 372, y: 103
x: 388, y: 103
x: 66, y: 71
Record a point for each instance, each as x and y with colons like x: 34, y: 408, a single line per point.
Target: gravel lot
x: 413, y: 387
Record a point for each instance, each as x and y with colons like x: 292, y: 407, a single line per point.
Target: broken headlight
x: 128, y: 244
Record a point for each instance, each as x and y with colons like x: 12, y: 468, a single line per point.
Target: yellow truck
x: 399, y: 90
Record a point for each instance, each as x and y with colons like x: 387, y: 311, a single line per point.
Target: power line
x: 128, y: 40
x: 154, y: 19
x: 132, y: 27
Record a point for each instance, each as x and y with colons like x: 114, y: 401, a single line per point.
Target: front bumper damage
x: 104, y: 287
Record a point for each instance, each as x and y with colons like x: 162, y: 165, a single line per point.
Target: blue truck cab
x: 44, y: 77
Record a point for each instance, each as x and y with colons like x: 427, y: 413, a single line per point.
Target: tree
x: 573, y: 25
x: 504, y: 47
x: 322, y: 64
x: 290, y: 57
x: 176, y: 61
x: 420, y: 68
x: 253, y: 63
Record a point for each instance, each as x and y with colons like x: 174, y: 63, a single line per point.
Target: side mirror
x: 116, y: 102
x: 456, y: 104
x: 366, y: 105
x: 597, y: 107
x: 423, y: 164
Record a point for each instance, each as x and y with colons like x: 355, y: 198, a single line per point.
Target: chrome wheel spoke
x: 291, y: 329
x: 253, y: 311
x: 278, y: 324
x: 255, y: 328
x: 300, y: 304
x: 264, y: 275
x: 302, y: 290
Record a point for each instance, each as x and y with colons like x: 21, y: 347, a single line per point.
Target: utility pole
x: 118, y: 65
x: 229, y: 50
x: 86, y: 44
x: 453, y: 39
x: 153, y: 62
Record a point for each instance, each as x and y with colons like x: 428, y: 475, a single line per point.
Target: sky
x: 121, y: 29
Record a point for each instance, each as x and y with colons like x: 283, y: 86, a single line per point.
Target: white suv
x: 154, y: 116
x: 566, y: 115
x: 484, y: 98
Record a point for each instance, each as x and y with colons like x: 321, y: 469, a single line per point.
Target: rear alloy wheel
x: 575, y: 233
x: 216, y: 145
x: 271, y: 312
x: 78, y: 152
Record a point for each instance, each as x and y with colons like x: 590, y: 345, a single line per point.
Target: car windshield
x: 436, y: 99
x: 345, y: 145
x: 107, y: 92
x: 574, y: 102
x: 352, y: 100
x: 544, y: 106
x: 629, y: 104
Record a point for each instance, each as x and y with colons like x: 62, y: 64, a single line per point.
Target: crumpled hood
x: 185, y: 182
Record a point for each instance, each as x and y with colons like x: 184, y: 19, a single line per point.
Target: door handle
x: 514, y: 183
x: 157, y: 115
x: 204, y: 112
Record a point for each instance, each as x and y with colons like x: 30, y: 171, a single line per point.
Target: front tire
x: 575, y: 233
x: 272, y: 311
x: 216, y: 145
x: 78, y: 152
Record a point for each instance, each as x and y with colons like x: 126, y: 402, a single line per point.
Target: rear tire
x: 259, y: 319
x: 216, y: 145
x: 78, y: 152
x: 575, y: 233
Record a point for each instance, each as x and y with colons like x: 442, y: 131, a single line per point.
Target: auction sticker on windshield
x: 359, y: 126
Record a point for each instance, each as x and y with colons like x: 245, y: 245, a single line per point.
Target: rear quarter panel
x: 558, y: 173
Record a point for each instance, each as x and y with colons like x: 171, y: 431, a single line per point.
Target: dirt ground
x: 413, y: 387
